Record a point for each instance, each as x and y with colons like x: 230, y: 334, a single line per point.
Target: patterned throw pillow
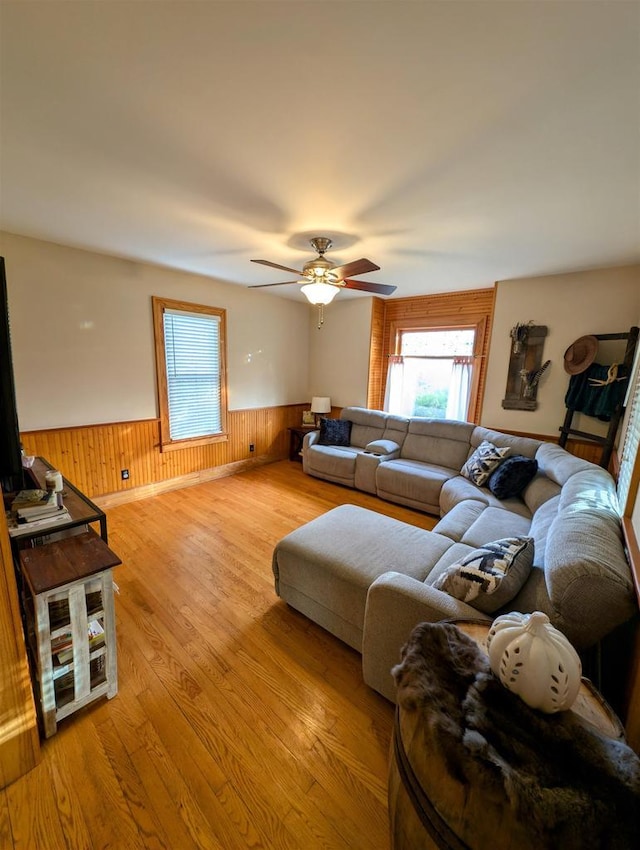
x: 483, y: 461
x: 512, y: 476
x: 491, y: 576
x: 334, y: 432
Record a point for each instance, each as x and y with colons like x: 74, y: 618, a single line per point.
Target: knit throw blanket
x: 578, y: 789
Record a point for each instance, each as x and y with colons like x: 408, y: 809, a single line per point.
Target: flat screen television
x: 11, y: 472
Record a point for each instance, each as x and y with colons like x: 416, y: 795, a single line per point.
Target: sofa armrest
x: 396, y: 603
x: 383, y: 448
x: 309, y: 439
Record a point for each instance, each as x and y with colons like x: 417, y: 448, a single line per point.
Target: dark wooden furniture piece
x: 70, y: 623
x: 607, y: 442
x: 296, y: 436
x: 81, y: 508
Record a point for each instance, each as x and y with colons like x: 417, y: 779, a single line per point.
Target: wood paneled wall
x: 377, y: 360
x: 92, y: 457
x: 448, y: 309
x: 19, y: 742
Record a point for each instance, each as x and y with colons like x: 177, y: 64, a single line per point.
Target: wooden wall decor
x: 525, y: 360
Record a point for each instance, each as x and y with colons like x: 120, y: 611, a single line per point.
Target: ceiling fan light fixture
x: 319, y: 293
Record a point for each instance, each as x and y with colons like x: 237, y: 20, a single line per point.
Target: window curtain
x: 459, y: 388
x: 398, y: 398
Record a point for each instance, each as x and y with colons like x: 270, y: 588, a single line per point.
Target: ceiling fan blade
x: 356, y: 267
x: 364, y: 286
x: 282, y: 283
x: 276, y: 266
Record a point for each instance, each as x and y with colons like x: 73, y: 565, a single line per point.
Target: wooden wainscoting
x: 93, y: 456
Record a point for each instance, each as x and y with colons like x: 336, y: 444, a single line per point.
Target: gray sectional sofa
x: 369, y: 579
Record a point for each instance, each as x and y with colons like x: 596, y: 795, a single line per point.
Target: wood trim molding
x: 19, y: 740
x: 110, y: 500
x: 631, y: 717
x: 469, y: 308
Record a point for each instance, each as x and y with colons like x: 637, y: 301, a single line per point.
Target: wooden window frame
x: 443, y: 323
x: 159, y: 306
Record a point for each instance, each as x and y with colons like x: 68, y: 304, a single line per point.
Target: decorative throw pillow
x: 512, y: 476
x: 483, y: 461
x: 491, y: 576
x: 334, y: 432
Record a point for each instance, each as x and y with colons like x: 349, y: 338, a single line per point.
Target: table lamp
x: 320, y: 404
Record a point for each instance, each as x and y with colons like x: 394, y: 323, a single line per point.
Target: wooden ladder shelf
x: 607, y: 442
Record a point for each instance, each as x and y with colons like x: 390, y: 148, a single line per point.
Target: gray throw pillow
x: 490, y: 576
x: 483, y: 461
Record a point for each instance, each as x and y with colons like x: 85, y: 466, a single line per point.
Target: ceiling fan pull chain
x: 320, y: 316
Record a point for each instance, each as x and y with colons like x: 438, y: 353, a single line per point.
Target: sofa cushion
x: 334, y: 432
x: 335, y: 463
x: 490, y: 576
x: 412, y: 483
x: 366, y: 425
x: 519, y: 445
x: 438, y: 441
x: 512, y: 476
x: 539, y: 491
x: 495, y: 523
x: 481, y: 463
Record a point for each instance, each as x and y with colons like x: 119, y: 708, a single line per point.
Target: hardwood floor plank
x: 6, y: 839
x: 151, y: 832
x: 33, y: 811
x: 238, y: 722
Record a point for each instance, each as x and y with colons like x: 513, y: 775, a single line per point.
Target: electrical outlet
x: 124, y: 474
x: 252, y: 448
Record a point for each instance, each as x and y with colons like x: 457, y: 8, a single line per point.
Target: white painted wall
x: 82, y: 336
x: 339, y: 351
x: 571, y: 305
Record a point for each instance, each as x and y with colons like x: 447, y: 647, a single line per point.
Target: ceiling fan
x: 325, y: 278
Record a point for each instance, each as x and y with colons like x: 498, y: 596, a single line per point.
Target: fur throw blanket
x: 575, y: 788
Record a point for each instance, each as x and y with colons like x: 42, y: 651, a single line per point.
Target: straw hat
x: 580, y: 355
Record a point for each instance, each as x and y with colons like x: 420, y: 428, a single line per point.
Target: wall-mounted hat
x: 580, y: 355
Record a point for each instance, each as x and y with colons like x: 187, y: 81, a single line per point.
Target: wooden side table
x: 70, y: 620
x: 432, y: 807
x: 296, y: 437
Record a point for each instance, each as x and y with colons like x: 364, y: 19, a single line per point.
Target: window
x: 190, y: 366
x: 431, y: 373
x: 629, y: 473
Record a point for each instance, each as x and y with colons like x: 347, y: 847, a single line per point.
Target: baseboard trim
x: 135, y: 494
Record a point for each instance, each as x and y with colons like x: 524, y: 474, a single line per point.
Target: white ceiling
x: 452, y: 143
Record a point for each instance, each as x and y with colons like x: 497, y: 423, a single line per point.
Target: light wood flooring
x: 238, y: 723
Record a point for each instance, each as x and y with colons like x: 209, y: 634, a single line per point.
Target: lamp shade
x: 320, y: 293
x: 321, y: 404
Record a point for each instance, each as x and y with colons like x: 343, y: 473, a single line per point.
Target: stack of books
x: 62, y: 647
x: 35, y: 509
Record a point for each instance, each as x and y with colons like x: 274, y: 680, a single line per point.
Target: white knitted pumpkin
x: 534, y: 660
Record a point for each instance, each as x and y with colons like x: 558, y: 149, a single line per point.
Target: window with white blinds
x: 190, y: 363
x: 629, y: 473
